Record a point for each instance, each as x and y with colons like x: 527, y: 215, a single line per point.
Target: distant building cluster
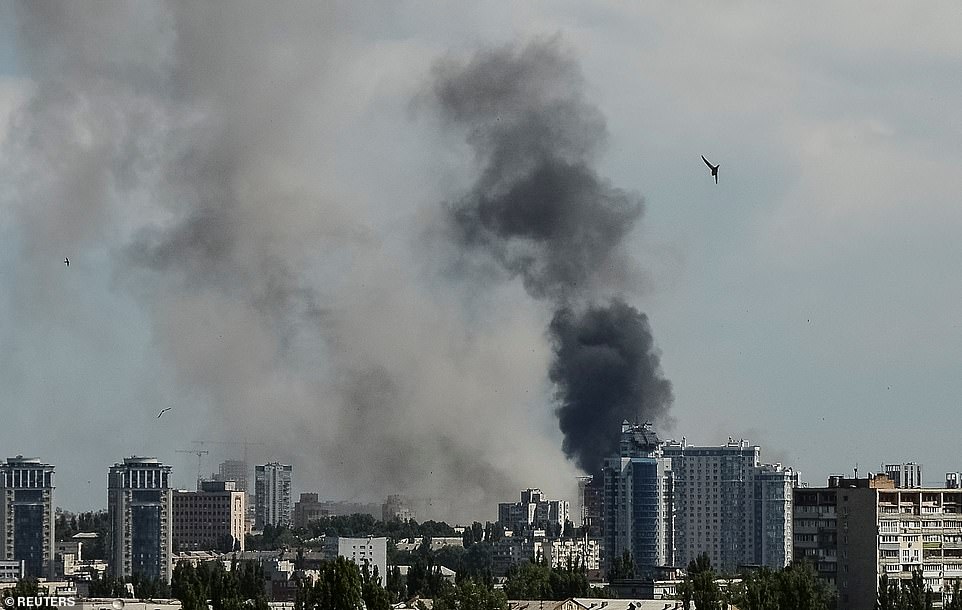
x: 662, y: 502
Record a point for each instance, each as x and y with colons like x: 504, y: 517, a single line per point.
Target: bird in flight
x: 714, y: 168
x: 162, y: 411
x: 66, y: 261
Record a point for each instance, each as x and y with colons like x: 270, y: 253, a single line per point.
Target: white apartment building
x: 369, y: 551
x: 534, y: 511
x: 919, y: 528
x: 564, y: 552
x: 730, y: 506
x: 272, y: 494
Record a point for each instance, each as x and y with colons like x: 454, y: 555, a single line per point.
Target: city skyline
x: 257, y: 213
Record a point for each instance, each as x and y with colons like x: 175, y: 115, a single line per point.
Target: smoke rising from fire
x: 541, y: 211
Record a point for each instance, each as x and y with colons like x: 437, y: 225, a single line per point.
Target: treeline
x: 241, y: 587
x: 66, y: 524
x: 895, y: 594
x: 796, y: 587
x: 351, y: 526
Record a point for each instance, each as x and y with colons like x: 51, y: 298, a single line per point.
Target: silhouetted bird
x: 714, y: 168
x: 162, y: 411
x: 66, y: 261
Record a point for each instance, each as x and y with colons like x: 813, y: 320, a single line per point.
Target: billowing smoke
x: 605, y: 367
x: 227, y: 175
x: 541, y: 211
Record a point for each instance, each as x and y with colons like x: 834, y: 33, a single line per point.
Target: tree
x: 25, y: 587
x: 471, y: 595
x: 374, y: 595
x: 622, y: 567
x: 699, y: 586
x: 339, y: 587
x: 956, y: 602
x: 915, y: 594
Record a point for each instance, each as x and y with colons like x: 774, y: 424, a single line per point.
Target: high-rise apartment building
x: 533, y: 511
x: 272, y: 492
x: 210, y: 519
x: 139, y: 511
x: 234, y: 470
x: 26, y: 515
x: 906, y: 476
x: 856, y: 530
x: 638, y: 501
x: 730, y: 506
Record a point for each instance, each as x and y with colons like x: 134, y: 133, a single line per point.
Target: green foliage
x: 796, y: 587
x: 471, y: 595
x: 241, y: 588
x: 108, y: 586
x: 25, y: 587
x: 340, y: 586
x: 536, y: 581
x: 149, y: 588
x: 375, y: 597
x: 699, y: 587
x: 67, y: 524
x: 956, y: 603
x: 622, y: 567
x: 895, y: 594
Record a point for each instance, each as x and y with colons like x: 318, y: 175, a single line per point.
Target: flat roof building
x: 26, y: 515
x: 139, y: 512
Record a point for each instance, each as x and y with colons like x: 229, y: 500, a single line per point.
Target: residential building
x: 11, y: 570
x: 534, y: 511
x: 370, y: 552
x: 639, y: 506
x: 730, y: 506
x: 272, y: 491
x: 396, y: 508
x: 26, y: 515
x: 565, y: 552
x: 139, y: 511
x: 309, y: 509
x: 864, y: 528
x: 906, y: 476
x: 209, y: 519
x: 234, y: 470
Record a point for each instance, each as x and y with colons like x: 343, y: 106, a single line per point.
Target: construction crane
x: 200, y: 453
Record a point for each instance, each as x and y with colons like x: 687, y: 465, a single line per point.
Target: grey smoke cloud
x: 538, y: 206
x: 540, y: 209
x: 198, y: 149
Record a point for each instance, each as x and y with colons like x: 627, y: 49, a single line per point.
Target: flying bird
x: 714, y: 168
x: 66, y: 261
x: 162, y: 411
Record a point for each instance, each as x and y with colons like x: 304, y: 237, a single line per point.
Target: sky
x: 257, y: 208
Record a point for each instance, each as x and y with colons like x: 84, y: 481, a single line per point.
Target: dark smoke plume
x: 605, y: 368
x: 541, y: 211
x: 539, y: 207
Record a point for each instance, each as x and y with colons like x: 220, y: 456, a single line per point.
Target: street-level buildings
x: 139, y: 512
x: 26, y: 515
